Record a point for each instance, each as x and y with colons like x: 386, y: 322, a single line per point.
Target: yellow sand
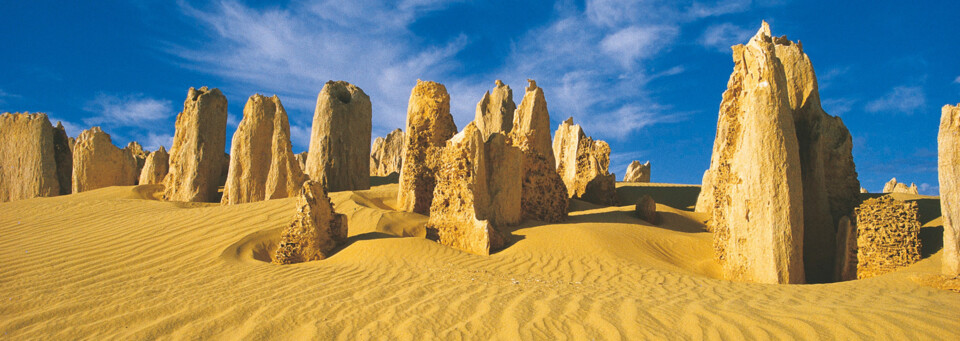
x: 116, y: 264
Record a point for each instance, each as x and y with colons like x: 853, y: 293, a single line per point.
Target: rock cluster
x: 948, y: 141
x: 138, y: 154
x: 646, y: 209
x: 29, y: 157
x: 339, y: 156
x: 782, y: 173
x: 893, y: 186
x: 262, y: 163
x: 637, y: 172
x: 888, y: 236
x: 196, y: 156
x: 97, y: 163
x: 316, y: 229
x: 478, y: 189
x: 544, y: 195
x: 155, y: 167
x: 387, y: 154
x: 429, y: 126
x: 495, y: 110
x: 584, y: 165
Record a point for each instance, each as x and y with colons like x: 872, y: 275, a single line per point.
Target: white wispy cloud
x: 126, y: 111
x: 4, y: 95
x: 292, y: 51
x: 153, y: 141
x: 721, y: 36
x: 928, y: 189
x: 837, y: 106
x: 901, y: 99
x: 72, y: 129
x: 957, y: 80
x: 831, y: 76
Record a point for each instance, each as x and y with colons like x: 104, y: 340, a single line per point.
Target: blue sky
x: 646, y: 76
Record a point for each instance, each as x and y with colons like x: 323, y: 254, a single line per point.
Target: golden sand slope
x: 112, y: 263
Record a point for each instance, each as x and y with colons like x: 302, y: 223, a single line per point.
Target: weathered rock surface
x: 863, y: 190
x: 646, y: 209
x: 302, y: 160
x: 155, y: 167
x: 316, y: 229
x: 29, y: 158
x: 478, y: 190
x: 495, y: 110
x: 637, y: 172
x: 948, y: 141
x: 262, y: 163
x: 97, y: 163
x: 584, y: 165
x: 339, y: 155
x: 196, y: 156
x: 63, y: 154
x: 429, y: 126
x: 387, y: 154
x: 544, y: 194
x: 888, y: 236
x: 139, y: 155
x: 782, y: 172
x: 846, y: 250
x: 893, y: 186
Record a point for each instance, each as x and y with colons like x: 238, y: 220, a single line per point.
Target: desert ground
x: 117, y: 263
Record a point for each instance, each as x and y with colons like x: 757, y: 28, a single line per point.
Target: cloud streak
x: 902, y: 99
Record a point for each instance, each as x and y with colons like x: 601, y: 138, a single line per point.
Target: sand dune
x: 116, y: 263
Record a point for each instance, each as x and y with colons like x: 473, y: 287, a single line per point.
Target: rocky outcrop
x: 478, y: 190
x: 429, y: 126
x: 495, y: 110
x: 646, y: 209
x: 196, y: 157
x: 544, y: 195
x: 97, y: 163
x: 584, y: 165
x: 155, y: 167
x: 863, y: 190
x: 888, y: 236
x: 316, y: 229
x: 948, y: 141
x: 262, y: 164
x: 893, y: 186
x: 63, y: 155
x: 339, y: 155
x: 387, y: 154
x: 637, y: 172
x: 138, y: 154
x: 302, y: 160
x: 29, y: 158
x: 782, y: 173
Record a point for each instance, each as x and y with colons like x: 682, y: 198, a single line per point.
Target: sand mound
x: 112, y: 264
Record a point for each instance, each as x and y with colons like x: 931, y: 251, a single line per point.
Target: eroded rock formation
x: 63, y: 154
x: 893, y: 186
x: 302, y: 160
x: 196, y: 156
x: 339, y: 155
x: 262, y: 163
x: 637, y: 172
x: 316, y: 229
x: 138, y: 154
x: 429, y: 126
x: 387, y: 154
x: 888, y: 236
x: 29, y: 157
x: 584, y: 165
x: 782, y: 173
x: 155, y: 167
x: 544, y: 194
x: 846, y: 269
x: 646, y: 209
x: 97, y: 163
x: 495, y: 110
x: 948, y: 141
x: 478, y: 190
